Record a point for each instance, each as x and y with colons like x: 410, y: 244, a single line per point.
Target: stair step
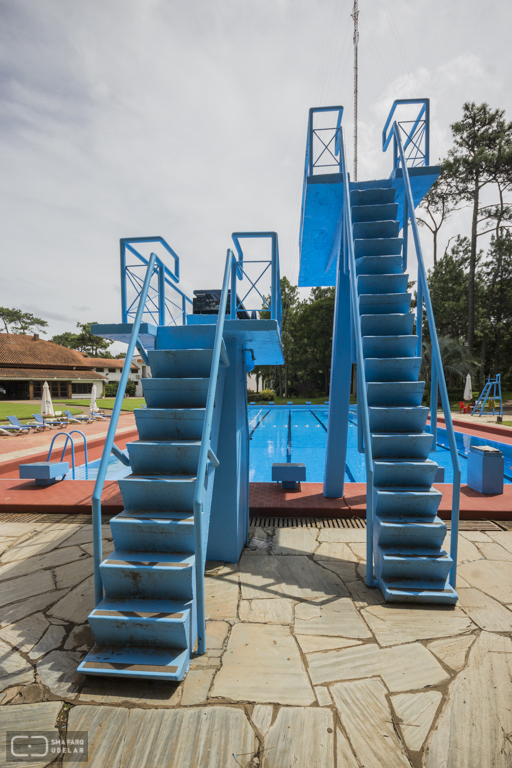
x: 409, y: 591
x: 164, y: 457
x: 380, y: 283
x: 169, y: 664
x: 392, y: 368
x: 180, y: 363
x: 142, y: 622
x: 395, y: 392
x: 379, y: 246
x: 372, y: 196
x: 383, y: 304
x: 397, y: 532
x: 390, y: 346
x: 412, y: 501
x: 379, y: 212
x: 401, y: 472
x: 363, y: 230
x: 162, y: 492
x: 401, y: 446
x: 391, y: 419
x: 395, y: 563
x: 379, y: 265
x: 154, y: 531
x: 175, y: 393
x: 157, y: 575
x: 169, y: 423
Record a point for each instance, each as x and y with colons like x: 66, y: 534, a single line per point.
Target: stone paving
x: 305, y: 666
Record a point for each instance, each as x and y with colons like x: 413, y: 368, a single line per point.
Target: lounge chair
x: 78, y: 419
x: 100, y: 416
x: 7, y: 429
x: 15, y: 422
x: 50, y: 423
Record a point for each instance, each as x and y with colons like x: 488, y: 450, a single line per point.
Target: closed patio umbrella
x: 468, y: 390
x: 46, y: 402
x: 93, y: 407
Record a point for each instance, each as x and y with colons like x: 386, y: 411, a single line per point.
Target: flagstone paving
x: 305, y: 665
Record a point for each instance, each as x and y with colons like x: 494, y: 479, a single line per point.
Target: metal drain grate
x: 307, y: 522
x: 37, y: 517
x: 358, y: 522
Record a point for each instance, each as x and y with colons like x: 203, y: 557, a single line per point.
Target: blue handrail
x: 420, y: 132
x: 438, y: 378
x: 238, y: 272
x: 102, y: 471
x: 70, y: 439
x: 158, y: 305
x: 364, y: 435
x: 206, y: 453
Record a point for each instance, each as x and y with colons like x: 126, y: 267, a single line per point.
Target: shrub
x: 267, y: 395
x: 112, y: 387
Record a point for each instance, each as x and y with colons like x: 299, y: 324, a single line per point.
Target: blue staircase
x: 410, y: 564
x: 145, y: 626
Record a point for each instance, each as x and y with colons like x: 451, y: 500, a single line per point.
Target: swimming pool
x: 298, y: 434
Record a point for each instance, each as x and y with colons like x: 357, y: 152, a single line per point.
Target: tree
x: 85, y: 341
x: 16, y: 321
x: 482, y: 156
x: 496, y: 352
x: 436, y: 207
x: 457, y: 362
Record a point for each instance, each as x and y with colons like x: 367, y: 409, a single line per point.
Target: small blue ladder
x: 491, y: 389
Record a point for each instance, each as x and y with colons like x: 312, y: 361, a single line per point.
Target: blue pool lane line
x: 253, y: 430
x: 347, y: 468
x: 289, y: 445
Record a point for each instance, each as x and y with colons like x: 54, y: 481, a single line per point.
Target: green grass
x: 24, y: 411
x: 129, y: 403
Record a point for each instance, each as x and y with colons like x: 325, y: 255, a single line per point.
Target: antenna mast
x: 355, y: 16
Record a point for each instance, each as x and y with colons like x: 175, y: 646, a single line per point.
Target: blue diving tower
x: 187, y: 496
x: 354, y: 235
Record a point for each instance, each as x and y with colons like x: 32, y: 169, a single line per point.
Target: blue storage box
x: 486, y: 468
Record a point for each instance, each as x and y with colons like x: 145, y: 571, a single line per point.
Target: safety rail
x: 416, y: 150
x: 109, y: 442
x: 330, y: 147
x: 206, y: 454
x: 437, y: 374
x: 363, y: 422
x: 238, y: 271
x: 159, y: 307
x: 70, y: 439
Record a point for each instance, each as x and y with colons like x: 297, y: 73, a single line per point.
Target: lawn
x: 24, y: 411
x: 129, y: 403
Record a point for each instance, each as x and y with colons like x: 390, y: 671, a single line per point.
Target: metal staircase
x: 355, y: 236
x: 146, y: 623
x: 410, y: 563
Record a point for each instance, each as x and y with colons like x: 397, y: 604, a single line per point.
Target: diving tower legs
x: 339, y: 392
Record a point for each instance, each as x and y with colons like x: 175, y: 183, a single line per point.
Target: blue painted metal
x: 272, y: 264
x: 69, y: 439
x: 44, y: 472
x: 102, y: 471
x: 159, y: 307
x: 486, y: 469
x: 341, y: 379
x: 491, y: 389
x: 416, y: 148
x: 290, y: 475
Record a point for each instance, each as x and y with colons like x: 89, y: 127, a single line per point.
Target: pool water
x: 299, y: 435
x: 279, y: 435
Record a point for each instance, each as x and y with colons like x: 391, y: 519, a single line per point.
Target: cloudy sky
x: 187, y: 119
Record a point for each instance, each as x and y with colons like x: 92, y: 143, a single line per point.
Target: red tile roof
x: 107, y: 362
x: 20, y: 349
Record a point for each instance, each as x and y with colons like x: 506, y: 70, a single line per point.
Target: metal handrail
x: 206, y: 453
x: 436, y: 360
x: 362, y: 398
x: 165, y: 277
x: 102, y: 471
x: 386, y: 137
x: 69, y: 438
x: 237, y: 272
